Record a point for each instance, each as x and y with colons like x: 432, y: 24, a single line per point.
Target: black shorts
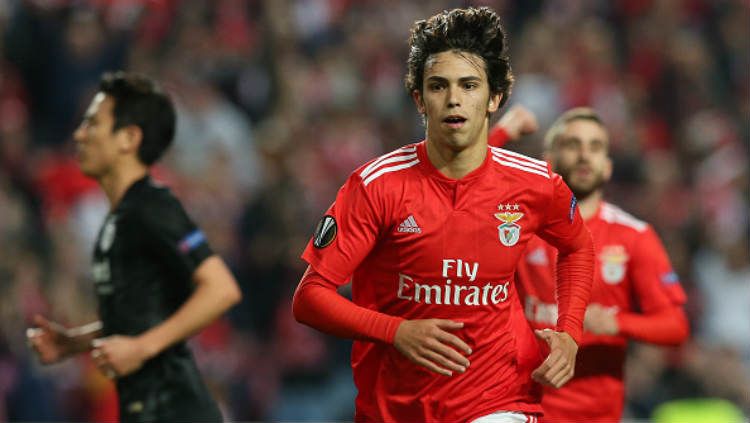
x: 168, y: 406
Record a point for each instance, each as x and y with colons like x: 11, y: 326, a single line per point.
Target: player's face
x: 455, y: 99
x: 580, y: 154
x: 96, y: 144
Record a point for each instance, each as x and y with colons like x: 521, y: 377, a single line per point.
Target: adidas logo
x: 410, y: 226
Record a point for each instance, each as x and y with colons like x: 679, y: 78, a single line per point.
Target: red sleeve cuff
x: 575, y: 272
x: 391, y: 326
x: 572, y: 329
x: 498, y: 136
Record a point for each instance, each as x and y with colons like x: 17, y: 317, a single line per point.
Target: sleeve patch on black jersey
x: 325, y: 232
x: 192, y: 240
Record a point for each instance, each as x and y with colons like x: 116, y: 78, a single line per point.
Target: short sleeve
x: 171, y: 235
x: 563, y: 228
x: 346, y: 234
x: 655, y: 283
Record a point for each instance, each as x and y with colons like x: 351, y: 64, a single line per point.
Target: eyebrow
x: 576, y: 138
x: 462, y: 79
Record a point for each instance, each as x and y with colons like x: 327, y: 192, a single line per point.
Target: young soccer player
x: 430, y: 236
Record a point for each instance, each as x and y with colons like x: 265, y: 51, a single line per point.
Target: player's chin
x: 88, y: 170
x: 582, y: 188
x: 457, y: 141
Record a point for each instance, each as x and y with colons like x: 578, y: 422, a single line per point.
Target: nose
x: 583, y: 157
x: 80, y: 133
x: 585, y: 153
x: 453, y: 97
x: 582, y: 151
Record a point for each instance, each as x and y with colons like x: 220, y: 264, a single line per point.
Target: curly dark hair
x: 472, y: 30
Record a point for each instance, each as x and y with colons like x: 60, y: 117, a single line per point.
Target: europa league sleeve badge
x: 325, y: 232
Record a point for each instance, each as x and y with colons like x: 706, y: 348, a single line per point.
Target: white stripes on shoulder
x: 613, y: 214
x: 519, y: 161
x: 507, y: 417
x: 396, y: 160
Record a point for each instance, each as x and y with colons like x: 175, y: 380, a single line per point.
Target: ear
x: 494, y: 102
x: 416, y: 95
x: 130, y: 139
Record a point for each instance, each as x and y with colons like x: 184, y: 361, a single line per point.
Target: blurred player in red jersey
x: 430, y: 241
x: 513, y: 124
x: 636, y: 294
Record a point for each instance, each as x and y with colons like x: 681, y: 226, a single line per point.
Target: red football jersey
x: 419, y: 245
x: 632, y: 273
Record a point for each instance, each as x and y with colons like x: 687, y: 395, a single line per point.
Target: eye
x: 470, y: 85
x: 435, y: 86
x: 569, y: 143
x: 597, y: 147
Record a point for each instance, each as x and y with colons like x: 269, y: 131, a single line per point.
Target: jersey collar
x: 597, y: 214
x: 134, y: 189
x: 429, y: 169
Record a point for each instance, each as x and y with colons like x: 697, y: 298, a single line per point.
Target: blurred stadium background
x: 278, y: 100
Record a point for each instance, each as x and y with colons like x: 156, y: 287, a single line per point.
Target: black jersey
x: 144, y: 259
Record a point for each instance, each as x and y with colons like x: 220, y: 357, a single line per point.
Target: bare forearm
x: 212, y: 297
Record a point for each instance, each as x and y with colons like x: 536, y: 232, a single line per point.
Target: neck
x: 115, y: 183
x: 457, y: 163
x: 589, y: 205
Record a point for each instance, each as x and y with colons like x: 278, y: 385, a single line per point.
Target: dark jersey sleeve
x: 170, y: 234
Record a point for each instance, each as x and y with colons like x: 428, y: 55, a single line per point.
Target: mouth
x: 454, y: 121
x: 583, y: 171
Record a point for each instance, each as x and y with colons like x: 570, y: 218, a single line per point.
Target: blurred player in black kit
x: 156, y: 278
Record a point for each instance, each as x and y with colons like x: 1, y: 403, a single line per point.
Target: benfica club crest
x: 510, y: 231
x: 613, y: 259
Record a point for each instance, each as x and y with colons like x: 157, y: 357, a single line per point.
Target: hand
x: 429, y: 344
x: 601, y: 320
x: 117, y: 355
x: 49, y: 340
x: 518, y: 121
x: 559, y: 366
